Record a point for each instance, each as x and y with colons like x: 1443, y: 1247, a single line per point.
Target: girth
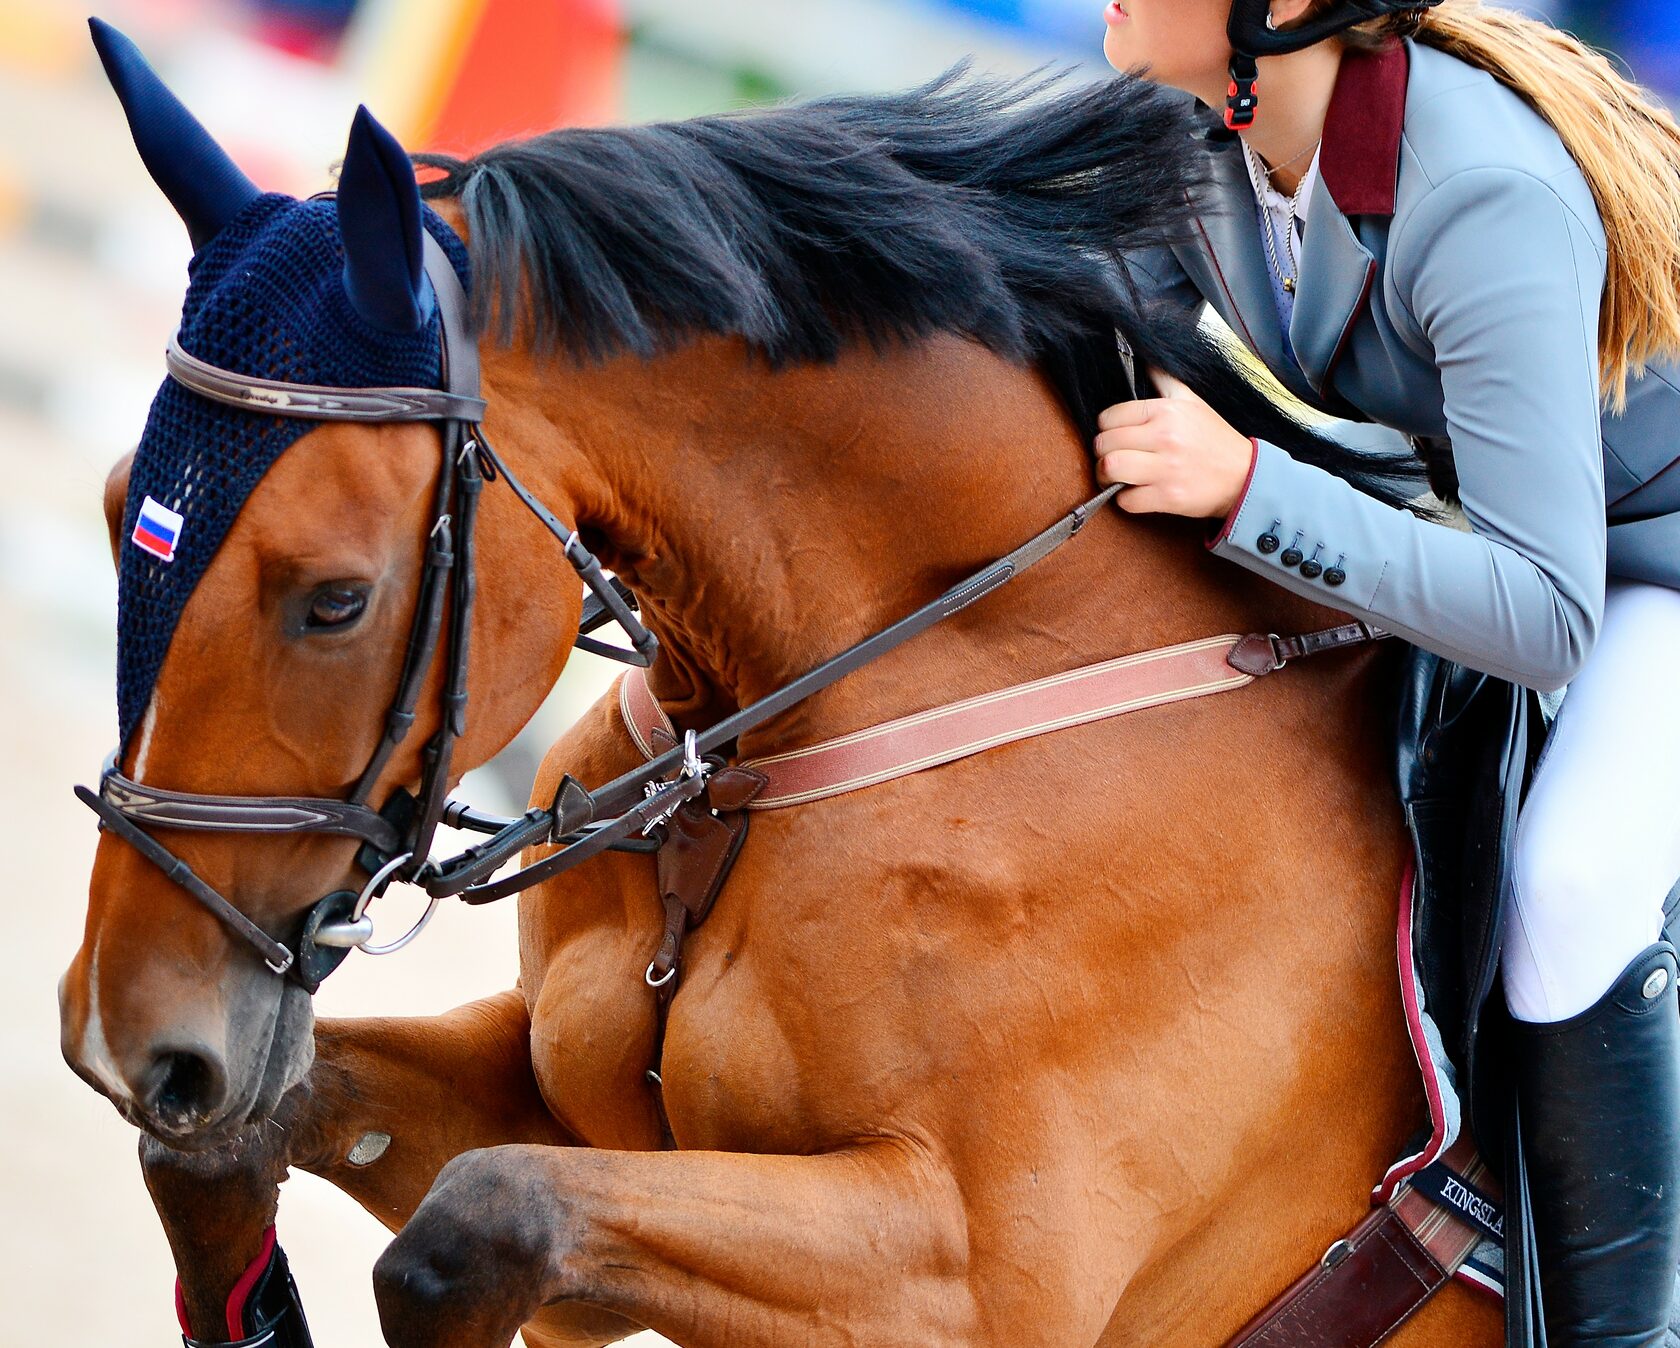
x: 1382, y: 1272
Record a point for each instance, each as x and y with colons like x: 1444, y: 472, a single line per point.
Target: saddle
x: 1466, y: 746
x: 1466, y: 751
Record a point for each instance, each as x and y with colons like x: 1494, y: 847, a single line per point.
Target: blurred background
x: 92, y: 267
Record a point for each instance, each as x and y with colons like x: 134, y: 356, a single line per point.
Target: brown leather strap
x: 319, y: 402
x: 1366, y: 1285
x: 1375, y: 1278
x: 942, y: 735
x: 701, y: 841
x: 1260, y: 654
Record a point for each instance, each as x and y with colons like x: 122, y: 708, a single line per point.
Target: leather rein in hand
x: 397, y: 838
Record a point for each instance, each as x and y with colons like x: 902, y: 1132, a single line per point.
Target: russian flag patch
x: 158, y: 530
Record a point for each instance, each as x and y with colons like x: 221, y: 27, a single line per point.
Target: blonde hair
x: 1626, y: 144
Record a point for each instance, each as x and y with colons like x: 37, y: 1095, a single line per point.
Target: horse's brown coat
x: 1094, y: 1039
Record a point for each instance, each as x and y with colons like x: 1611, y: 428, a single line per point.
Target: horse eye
x: 336, y: 607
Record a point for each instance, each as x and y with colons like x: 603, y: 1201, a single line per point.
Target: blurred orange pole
x: 459, y: 75
x: 527, y: 66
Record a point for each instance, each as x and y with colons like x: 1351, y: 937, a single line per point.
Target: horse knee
x: 485, y: 1250
x: 413, y: 1296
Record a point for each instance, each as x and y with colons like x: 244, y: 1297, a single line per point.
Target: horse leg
x: 863, y: 1245
x: 216, y: 1208
x: 386, y: 1104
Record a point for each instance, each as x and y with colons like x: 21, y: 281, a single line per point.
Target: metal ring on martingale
x: 653, y: 982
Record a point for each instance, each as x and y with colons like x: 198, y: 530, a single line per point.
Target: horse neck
x: 768, y: 519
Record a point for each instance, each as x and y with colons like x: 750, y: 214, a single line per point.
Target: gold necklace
x: 1273, y: 172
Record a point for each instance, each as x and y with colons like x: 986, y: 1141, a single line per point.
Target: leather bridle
x: 397, y: 838
x: 626, y: 814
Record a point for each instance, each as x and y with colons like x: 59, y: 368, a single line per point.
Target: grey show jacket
x: 1452, y: 274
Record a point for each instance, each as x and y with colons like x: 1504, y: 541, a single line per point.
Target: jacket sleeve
x: 1496, y: 277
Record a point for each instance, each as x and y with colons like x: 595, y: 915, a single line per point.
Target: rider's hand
x: 1177, y: 455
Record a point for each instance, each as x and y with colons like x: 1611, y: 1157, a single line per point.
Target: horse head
x: 270, y: 569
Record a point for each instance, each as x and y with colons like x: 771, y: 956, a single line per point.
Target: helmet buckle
x: 1242, y: 100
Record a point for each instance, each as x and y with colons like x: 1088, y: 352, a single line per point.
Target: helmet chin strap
x: 1253, y: 33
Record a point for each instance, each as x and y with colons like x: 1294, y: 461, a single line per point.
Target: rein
x: 397, y: 837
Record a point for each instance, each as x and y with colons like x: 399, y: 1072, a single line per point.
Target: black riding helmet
x: 1252, y: 36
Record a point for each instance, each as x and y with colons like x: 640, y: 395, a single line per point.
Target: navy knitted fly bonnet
x: 327, y: 291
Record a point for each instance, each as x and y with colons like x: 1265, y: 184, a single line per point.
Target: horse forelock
x: 990, y: 209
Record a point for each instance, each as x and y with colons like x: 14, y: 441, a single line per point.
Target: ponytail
x: 1626, y: 144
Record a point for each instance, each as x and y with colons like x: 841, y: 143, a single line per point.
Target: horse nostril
x: 185, y: 1089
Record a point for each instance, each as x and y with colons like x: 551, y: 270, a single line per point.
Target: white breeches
x: 1598, y: 840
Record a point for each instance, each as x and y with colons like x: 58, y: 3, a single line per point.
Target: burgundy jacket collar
x: 1360, y: 158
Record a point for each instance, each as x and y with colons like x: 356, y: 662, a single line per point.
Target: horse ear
x: 203, y: 184
x: 379, y: 218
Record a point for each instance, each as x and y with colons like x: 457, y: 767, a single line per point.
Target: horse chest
x: 729, y: 1069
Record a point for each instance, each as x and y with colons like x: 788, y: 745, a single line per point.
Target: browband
x: 317, y: 402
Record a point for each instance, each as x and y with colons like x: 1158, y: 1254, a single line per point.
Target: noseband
x: 627, y: 814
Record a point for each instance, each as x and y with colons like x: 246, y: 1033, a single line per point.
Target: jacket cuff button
x: 1269, y: 543
x: 1335, y: 576
x: 1292, y: 556
x: 1311, y: 570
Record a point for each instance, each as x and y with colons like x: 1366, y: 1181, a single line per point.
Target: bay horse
x: 1093, y: 1039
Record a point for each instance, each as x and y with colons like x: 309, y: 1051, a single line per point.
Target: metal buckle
x: 693, y: 767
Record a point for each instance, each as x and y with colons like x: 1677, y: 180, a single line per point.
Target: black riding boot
x: 1600, y: 1099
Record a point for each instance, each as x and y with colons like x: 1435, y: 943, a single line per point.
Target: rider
x: 1463, y: 225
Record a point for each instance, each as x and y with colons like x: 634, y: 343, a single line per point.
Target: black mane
x: 999, y: 211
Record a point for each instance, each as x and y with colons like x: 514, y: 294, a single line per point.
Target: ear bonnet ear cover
x: 266, y: 298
